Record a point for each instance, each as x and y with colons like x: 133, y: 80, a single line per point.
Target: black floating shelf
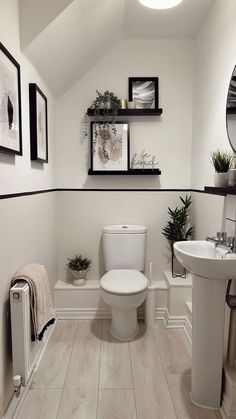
x: 130, y: 172
x: 220, y: 191
x: 131, y: 112
x: 231, y: 110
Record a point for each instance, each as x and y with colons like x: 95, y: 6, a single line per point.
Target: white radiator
x: 24, y: 352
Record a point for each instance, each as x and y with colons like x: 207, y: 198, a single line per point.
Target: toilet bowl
x: 124, y: 286
x: 124, y: 291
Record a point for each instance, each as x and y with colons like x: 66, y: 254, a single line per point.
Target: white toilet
x: 124, y: 287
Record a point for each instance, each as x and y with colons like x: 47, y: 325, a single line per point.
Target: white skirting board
x: 161, y: 314
x: 175, y: 322
x: 89, y: 313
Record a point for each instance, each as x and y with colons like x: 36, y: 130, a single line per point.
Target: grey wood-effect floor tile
x: 186, y: 341
x: 153, y: 400
x: 79, y: 398
x: 115, y: 369
x: 116, y: 404
x: 53, y: 367
x: 180, y: 387
x: 40, y: 404
x: 173, y: 352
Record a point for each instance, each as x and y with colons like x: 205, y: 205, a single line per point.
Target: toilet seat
x: 124, y: 282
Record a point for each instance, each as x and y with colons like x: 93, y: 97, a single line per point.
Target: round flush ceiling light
x: 160, y: 4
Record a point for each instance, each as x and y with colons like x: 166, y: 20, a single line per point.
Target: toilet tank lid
x: 124, y: 229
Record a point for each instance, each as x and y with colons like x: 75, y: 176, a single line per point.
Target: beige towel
x: 42, y: 313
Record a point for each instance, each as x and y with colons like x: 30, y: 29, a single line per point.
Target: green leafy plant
x: 78, y: 263
x: 221, y: 160
x: 105, y: 107
x: 178, y: 229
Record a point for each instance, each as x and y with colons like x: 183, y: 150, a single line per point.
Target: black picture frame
x: 144, y: 91
x: 38, y: 124
x: 115, y: 157
x: 10, y: 104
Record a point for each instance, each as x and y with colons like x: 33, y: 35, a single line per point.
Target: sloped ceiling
x: 66, y: 38
x: 178, y: 22
x: 36, y: 15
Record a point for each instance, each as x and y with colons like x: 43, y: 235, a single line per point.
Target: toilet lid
x: 124, y: 281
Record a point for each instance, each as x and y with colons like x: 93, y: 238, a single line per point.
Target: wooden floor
x: 87, y: 374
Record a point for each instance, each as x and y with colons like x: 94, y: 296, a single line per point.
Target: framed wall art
x: 10, y: 104
x: 109, y: 146
x: 38, y: 124
x: 144, y: 92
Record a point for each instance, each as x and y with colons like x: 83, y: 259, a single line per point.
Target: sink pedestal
x: 208, y: 309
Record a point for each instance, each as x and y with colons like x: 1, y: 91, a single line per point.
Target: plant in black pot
x: 78, y: 267
x: 178, y: 229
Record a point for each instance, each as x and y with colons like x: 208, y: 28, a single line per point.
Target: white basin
x: 211, y: 267
x: 205, y: 259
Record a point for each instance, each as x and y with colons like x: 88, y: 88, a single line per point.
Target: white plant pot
x: 79, y: 277
x: 221, y: 180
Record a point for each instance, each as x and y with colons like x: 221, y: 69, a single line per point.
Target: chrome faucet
x: 231, y: 243
x: 221, y: 238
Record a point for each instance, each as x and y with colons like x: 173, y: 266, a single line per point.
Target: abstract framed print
x: 38, y: 124
x: 10, y: 104
x: 110, y: 146
x: 144, y: 92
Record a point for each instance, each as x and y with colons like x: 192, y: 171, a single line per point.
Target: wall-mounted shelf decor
x: 131, y: 112
x: 130, y: 172
x: 109, y: 137
x: 231, y: 110
x: 109, y: 147
x: 10, y: 104
x: 144, y: 91
x: 220, y: 191
x: 38, y: 124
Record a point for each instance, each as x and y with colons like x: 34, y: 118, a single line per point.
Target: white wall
x: 168, y: 136
x: 214, y: 62
x: 27, y: 223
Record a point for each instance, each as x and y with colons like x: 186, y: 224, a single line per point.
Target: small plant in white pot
x: 78, y: 267
x: 222, y: 161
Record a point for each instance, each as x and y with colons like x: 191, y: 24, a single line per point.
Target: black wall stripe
x: 20, y: 194
x: 16, y: 195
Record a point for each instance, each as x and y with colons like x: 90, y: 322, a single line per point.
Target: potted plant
x: 222, y: 161
x: 104, y: 108
x: 78, y: 267
x: 178, y: 229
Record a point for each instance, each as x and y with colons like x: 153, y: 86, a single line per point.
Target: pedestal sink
x: 211, y: 266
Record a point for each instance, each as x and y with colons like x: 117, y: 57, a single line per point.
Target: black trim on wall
x: 16, y: 195
x: 123, y: 190
x: 19, y: 194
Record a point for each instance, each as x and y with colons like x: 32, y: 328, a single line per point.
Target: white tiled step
x: 179, y: 291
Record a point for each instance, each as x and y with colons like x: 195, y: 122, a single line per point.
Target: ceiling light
x: 160, y: 4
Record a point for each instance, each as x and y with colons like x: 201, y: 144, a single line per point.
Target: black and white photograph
x: 38, y: 124
x: 144, y: 92
x: 110, y: 146
x: 10, y: 104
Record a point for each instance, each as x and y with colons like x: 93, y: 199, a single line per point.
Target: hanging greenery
x: 105, y: 110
